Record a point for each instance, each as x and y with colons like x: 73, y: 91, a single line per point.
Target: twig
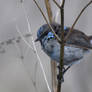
x: 62, y: 5
x: 61, y: 47
x: 71, y: 29
x: 54, y: 75
x: 58, y: 39
x: 53, y: 64
x: 56, y: 3
x: 48, y: 7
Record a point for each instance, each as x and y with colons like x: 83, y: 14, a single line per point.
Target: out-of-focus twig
x: 71, y: 29
x: 37, y: 56
x: 56, y: 36
x: 53, y: 64
x: 49, y: 11
x: 34, y: 46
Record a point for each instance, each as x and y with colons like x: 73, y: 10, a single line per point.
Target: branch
x: 61, y: 47
x: 49, y: 12
x: 59, y: 6
x: 58, y: 39
x: 63, y: 2
x: 53, y: 64
x: 71, y: 29
x: 56, y: 3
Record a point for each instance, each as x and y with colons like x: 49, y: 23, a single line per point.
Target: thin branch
x: 48, y: 7
x: 61, y: 47
x: 56, y: 3
x: 56, y: 36
x: 53, y: 64
x: 62, y: 5
x: 71, y: 29
x: 54, y: 75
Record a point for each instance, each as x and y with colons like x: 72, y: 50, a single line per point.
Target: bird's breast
x: 71, y: 54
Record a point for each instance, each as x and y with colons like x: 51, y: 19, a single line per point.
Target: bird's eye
x: 49, y: 38
x: 50, y: 35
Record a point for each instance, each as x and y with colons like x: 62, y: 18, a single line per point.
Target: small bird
x: 51, y: 46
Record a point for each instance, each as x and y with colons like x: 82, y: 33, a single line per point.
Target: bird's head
x: 44, y: 30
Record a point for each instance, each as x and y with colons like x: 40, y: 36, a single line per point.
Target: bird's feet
x: 60, y: 79
x: 64, y: 70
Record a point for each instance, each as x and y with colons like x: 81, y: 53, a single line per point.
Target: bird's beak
x: 37, y: 40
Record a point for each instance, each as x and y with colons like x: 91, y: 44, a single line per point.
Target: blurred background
x: 19, y: 67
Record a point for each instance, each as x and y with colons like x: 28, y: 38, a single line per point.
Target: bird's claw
x: 60, y: 79
x: 64, y: 70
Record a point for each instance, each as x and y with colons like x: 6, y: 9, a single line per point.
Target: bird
x: 72, y: 51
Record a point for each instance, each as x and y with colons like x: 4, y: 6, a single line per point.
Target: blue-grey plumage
x: 52, y: 47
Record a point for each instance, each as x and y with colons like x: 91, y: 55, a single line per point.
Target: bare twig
x: 62, y: 5
x: 54, y: 75
x: 58, y: 39
x: 53, y: 64
x: 56, y: 3
x: 49, y: 11
x: 71, y: 29
x: 61, y: 47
